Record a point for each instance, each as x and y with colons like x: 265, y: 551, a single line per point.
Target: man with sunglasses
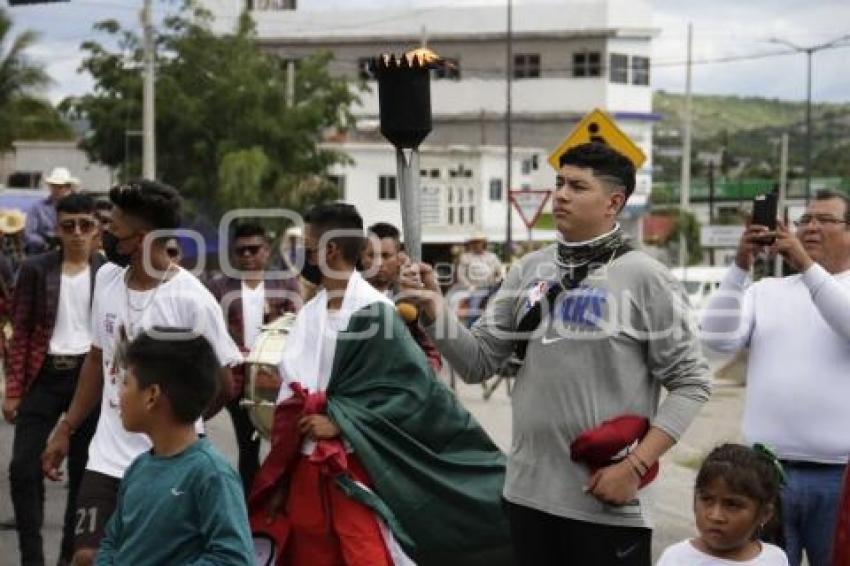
x: 797, y: 329
x: 249, y: 301
x: 51, y: 336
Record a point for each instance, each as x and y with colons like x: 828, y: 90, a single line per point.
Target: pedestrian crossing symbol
x: 599, y: 127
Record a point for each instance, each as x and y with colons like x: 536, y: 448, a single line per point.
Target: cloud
x: 732, y: 28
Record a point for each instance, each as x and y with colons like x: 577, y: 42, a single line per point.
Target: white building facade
x: 40, y: 157
x: 462, y: 189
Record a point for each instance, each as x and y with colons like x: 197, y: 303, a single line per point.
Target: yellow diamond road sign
x: 599, y: 127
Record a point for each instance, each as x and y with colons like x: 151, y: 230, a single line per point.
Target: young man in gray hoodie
x: 602, y: 328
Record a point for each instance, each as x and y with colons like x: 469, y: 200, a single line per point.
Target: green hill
x: 712, y: 115
x: 748, y: 129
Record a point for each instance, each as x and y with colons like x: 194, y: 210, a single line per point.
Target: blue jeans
x: 810, y: 511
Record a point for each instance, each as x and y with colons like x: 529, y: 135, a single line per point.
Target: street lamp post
x: 508, y: 137
x: 809, y: 51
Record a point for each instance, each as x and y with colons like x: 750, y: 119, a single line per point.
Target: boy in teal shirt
x: 180, y: 503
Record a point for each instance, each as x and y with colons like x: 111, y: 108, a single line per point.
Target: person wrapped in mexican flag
x: 374, y: 461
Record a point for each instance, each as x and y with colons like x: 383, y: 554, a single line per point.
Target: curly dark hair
x: 155, y: 204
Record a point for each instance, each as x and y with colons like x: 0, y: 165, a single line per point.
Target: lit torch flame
x: 427, y: 58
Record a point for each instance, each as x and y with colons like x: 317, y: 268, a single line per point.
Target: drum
x: 262, y: 380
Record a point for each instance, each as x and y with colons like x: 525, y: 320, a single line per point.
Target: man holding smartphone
x: 797, y: 329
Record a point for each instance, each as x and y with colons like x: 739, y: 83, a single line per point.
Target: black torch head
x: 404, y: 98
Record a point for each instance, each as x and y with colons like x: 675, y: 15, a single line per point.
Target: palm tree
x: 18, y: 75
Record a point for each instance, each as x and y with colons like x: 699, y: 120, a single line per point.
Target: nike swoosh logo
x: 546, y: 340
x: 176, y: 493
x: 626, y: 552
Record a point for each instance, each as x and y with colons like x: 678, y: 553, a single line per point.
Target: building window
x: 527, y: 66
x: 261, y: 5
x: 640, y: 70
x: 387, y: 188
x: 450, y: 70
x: 364, y: 68
x: 431, y: 208
x: 619, y: 71
x: 587, y: 64
x: 338, y: 181
x: 495, y: 189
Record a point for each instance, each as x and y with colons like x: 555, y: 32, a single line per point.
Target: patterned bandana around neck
x: 600, y: 249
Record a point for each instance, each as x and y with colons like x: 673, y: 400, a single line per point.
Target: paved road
x: 718, y: 422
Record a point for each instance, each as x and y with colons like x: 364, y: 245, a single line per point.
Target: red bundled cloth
x: 609, y: 442
x: 310, y: 489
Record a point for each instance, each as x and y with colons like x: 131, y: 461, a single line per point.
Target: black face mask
x: 312, y: 273
x: 110, y: 248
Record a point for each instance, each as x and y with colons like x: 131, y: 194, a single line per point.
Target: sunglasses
x: 70, y: 226
x: 247, y: 250
x: 172, y: 252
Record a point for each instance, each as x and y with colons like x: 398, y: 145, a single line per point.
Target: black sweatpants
x: 541, y: 539
x: 39, y: 411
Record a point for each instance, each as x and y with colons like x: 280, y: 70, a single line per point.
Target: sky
x: 721, y: 29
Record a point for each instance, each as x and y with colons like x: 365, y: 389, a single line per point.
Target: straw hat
x: 12, y: 221
x: 477, y: 236
x: 61, y: 176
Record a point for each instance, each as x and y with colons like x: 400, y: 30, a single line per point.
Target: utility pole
x: 783, y: 192
x: 149, y: 109
x: 509, y: 75
x: 685, y: 191
x: 290, y: 83
x: 711, y: 204
x: 809, y: 51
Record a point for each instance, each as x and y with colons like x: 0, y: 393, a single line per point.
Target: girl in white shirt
x: 736, y: 493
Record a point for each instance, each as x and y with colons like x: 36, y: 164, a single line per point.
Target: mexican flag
x: 435, y: 476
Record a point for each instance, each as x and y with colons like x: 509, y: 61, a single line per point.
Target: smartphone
x: 764, y: 210
x: 764, y: 213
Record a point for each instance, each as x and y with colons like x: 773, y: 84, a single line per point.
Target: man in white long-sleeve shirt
x: 798, y: 378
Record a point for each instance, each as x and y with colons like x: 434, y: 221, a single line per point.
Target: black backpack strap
x: 534, y: 317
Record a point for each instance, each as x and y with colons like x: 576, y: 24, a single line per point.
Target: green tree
x: 225, y: 135
x: 21, y: 114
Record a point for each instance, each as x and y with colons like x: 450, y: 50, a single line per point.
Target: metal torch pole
x: 411, y: 220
